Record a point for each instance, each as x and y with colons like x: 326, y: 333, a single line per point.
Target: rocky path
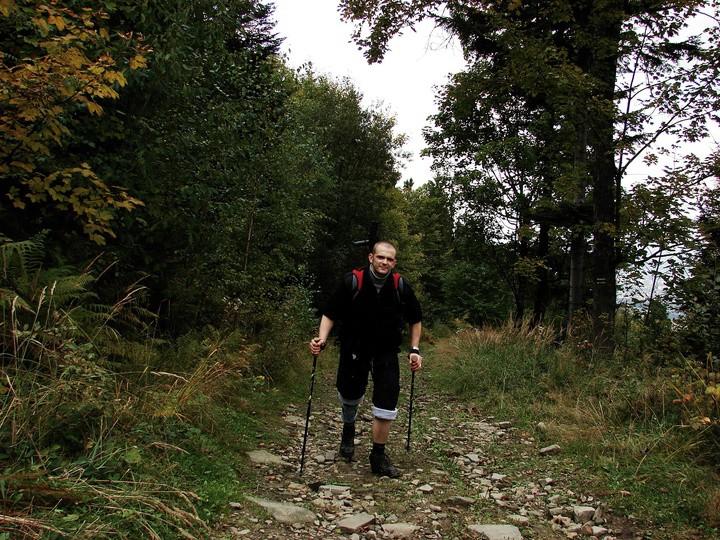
x: 466, y: 476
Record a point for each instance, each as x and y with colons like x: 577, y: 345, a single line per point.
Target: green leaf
x: 132, y: 456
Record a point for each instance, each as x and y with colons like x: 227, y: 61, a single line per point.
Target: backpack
x: 356, y: 283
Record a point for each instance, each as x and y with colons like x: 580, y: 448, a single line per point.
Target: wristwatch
x: 413, y: 350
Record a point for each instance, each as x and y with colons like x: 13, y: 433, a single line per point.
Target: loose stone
x: 263, y: 457
x: 400, y: 530
x: 461, y: 501
x: 497, y: 532
x: 518, y: 519
x: 583, y: 513
x: 552, y: 449
x: 285, y: 512
x: 334, y: 489
x: 355, y: 522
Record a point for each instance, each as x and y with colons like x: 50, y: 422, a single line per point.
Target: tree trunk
x: 608, y: 23
x: 578, y: 247
x: 542, y: 292
x: 521, y: 277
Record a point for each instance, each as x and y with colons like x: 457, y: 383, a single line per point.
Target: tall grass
x: 638, y: 426
x: 61, y: 407
x: 86, y: 393
x: 492, y: 364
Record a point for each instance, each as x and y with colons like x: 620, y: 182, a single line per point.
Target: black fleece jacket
x: 373, y: 321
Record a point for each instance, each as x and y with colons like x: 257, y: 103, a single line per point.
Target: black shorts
x: 352, y: 379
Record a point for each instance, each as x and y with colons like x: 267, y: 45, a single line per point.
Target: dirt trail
x: 464, y: 470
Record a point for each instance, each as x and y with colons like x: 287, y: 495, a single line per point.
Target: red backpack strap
x: 357, y: 281
x: 399, y: 284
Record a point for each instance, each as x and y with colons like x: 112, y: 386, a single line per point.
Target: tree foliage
x: 58, y: 64
x: 563, y: 98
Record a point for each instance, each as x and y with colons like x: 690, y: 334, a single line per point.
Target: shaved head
x: 385, y: 244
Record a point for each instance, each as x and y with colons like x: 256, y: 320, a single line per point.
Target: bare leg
x: 381, y: 430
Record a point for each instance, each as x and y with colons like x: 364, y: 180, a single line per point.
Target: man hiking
x: 372, y: 304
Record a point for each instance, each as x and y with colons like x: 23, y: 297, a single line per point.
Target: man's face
x: 382, y: 259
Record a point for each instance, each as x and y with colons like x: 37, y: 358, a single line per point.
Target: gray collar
x: 378, y: 281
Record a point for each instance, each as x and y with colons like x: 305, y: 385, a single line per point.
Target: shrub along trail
x: 467, y: 475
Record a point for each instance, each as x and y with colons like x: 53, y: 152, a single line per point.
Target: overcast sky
x: 404, y: 82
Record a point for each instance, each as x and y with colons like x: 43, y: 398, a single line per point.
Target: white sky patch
x: 403, y: 84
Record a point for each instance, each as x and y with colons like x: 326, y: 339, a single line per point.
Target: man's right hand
x: 317, y: 345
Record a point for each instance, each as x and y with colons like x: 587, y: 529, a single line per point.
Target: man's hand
x: 415, y: 361
x: 317, y: 345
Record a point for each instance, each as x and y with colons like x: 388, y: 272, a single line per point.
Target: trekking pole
x: 412, y: 392
x: 307, y: 414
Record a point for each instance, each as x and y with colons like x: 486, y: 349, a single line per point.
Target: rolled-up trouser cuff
x: 384, y: 414
x: 349, y: 408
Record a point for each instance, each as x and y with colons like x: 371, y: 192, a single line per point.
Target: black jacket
x: 372, y: 321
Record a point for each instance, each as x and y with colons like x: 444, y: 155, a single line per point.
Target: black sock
x: 348, y: 433
x: 378, y: 449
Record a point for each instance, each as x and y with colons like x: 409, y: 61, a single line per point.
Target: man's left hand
x: 415, y: 361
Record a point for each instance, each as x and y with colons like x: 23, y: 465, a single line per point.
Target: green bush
x: 284, y: 333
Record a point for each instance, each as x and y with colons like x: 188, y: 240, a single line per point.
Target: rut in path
x: 464, y: 471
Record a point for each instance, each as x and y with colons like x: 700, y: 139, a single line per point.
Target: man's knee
x: 349, y: 408
x: 385, y: 399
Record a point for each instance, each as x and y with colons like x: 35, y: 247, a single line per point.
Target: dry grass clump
x: 510, y: 332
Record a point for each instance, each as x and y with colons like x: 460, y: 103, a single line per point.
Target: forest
x: 177, y: 203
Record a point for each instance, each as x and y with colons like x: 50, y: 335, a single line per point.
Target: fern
x: 22, y: 258
x: 9, y: 297
x: 58, y: 305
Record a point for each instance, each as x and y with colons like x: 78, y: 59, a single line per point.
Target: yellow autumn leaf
x: 29, y: 114
x: 104, y: 33
x: 6, y: 6
x: 94, y: 108
x: 115, y: 76
x: 38, y: 147
x: 42, y: 24
x: 58, y: 21
x: 138, y: 61
x: 27, y: 167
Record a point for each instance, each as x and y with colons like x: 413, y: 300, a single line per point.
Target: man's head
x: 382, y: 257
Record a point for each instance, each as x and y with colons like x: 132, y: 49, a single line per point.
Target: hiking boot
x: 347, y: 443
x: 381, y: 465
x: 347, y: 450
